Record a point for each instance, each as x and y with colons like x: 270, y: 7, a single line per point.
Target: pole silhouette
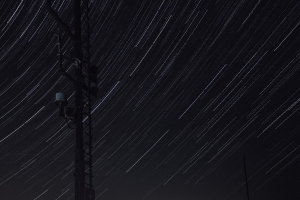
x: 79, y: 83
x: 79, y: 152
x: 85, y: 82
x: 246, y: 179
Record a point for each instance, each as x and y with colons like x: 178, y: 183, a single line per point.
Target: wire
x: 68, y: 123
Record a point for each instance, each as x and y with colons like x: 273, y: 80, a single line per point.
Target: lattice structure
x: 90, y: 73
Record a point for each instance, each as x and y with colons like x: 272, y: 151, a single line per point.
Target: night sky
x: 186, y: 89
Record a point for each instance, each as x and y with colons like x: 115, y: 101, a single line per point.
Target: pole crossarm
x: 60, y: 22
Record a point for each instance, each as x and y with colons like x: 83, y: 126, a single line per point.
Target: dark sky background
x: 186, y: 89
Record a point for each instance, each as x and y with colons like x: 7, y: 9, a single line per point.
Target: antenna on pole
x: 246, y: 179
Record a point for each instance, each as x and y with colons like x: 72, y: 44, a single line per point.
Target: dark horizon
x: 186, y: 90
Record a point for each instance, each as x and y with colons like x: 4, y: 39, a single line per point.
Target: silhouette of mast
x: 246, y: 179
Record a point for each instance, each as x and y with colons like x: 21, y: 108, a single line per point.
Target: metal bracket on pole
x: 60, y: 59
x: 61, y: 56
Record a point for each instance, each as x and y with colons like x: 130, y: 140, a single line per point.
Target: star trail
x: 186, y: 89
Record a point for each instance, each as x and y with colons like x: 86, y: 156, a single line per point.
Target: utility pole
x: 246, y: 179
x: 79, y: 153
x: 79, y: 58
